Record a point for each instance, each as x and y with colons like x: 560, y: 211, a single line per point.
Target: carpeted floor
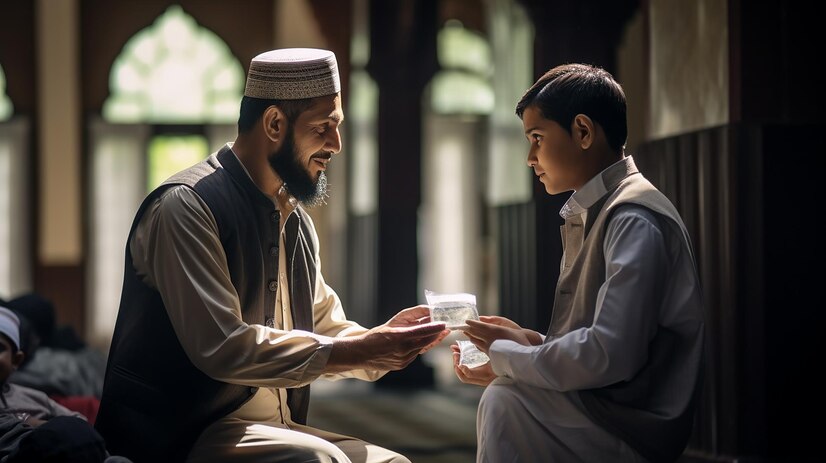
x: 427, y: 426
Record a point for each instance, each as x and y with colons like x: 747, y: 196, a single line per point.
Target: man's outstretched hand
x: 391, y: 346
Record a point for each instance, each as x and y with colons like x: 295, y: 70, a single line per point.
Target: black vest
x: 155, y: 402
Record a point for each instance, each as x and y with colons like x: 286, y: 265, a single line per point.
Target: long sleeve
x: 330, y: 319
x: 615, y: 346
x: 176, y: 249
x: 36, y: 403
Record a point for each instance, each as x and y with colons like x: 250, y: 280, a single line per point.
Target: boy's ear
x: 583, y: 131
x: 275, y: 123
x: 17, y: 359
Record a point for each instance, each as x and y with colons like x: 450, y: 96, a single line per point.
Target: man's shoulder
x: 195, y: 174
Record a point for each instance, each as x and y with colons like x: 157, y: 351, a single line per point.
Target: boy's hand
x: 501, y: 321
x: 480, y: 376
x: 482, y: 334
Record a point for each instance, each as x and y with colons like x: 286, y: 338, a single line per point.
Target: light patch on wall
x: 296, y: 26
x: 689, y: 66
x: 6, y: 108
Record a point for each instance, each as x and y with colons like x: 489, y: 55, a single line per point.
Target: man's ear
x: 275, y: 123
x: 583, y: 130
x: 17, y: 359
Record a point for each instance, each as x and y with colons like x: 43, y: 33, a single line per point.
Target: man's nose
x: 334, y: 141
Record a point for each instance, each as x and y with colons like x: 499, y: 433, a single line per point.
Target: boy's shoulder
x: 18, y: 391
x: 636, y: 189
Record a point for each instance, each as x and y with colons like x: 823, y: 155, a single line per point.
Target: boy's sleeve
x: 615, y: 347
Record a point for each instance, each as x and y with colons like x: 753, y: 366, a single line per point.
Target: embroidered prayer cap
x: 293, y: 74
x: 10, y: 326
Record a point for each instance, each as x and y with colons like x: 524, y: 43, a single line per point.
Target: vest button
x: 274, y: 216
x: 273, y: 251
x: 273, y: 285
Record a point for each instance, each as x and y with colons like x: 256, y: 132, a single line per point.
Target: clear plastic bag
x: 470, y: 355
x: 454, y: 309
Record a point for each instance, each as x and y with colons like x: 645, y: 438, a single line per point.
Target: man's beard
x: 296, y: 178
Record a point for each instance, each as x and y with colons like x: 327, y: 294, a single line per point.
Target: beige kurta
x: 176, y: 249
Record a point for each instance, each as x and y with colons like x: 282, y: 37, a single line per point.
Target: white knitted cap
x: 10, y: 326
x: 293, y: 74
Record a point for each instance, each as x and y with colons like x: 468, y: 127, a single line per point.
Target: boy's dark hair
x: 571, y: 89
x: 253, y: 108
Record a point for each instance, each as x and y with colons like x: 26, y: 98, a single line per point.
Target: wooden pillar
x: 59, y: 265
x: 402, y: 62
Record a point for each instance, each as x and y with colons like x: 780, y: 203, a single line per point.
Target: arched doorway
x: 175, y: 90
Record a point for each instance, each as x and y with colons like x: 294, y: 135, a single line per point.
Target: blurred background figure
x: 57, y: 361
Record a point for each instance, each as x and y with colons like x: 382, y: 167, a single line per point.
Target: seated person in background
x: 57, y: 362
x: 30, y: 405
x: 32, y: 426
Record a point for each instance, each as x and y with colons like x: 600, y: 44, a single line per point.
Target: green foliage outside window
x: 169, y: 154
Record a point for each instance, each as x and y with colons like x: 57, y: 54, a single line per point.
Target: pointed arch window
x: 174, y: 72
x: 174, y: 94
x: 463, y: 85
x: 473, y: 148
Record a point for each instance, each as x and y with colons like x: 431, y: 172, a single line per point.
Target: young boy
x: 32, y: 426
x: 617, y: 376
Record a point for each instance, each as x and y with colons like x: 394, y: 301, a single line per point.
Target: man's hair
x: 253, y: 108
x: 571, y: 89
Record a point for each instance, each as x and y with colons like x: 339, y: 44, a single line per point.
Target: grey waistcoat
x: 653, y: 411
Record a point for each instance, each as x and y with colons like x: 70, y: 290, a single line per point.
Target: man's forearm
x: 345, y: 355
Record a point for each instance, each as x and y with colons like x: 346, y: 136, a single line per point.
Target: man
x: 225, y: 317
x: 617, y: 376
